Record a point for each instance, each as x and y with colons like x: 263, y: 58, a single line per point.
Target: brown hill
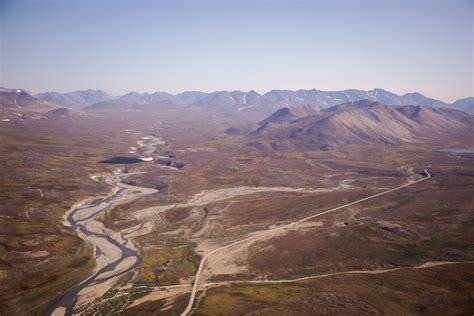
x: 20, y: 100
x: 289, y: 114
x: 61, y: 112
x: 362, y: 122
x: 435, y: 118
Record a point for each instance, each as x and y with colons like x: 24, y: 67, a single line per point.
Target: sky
x: 174, y: 46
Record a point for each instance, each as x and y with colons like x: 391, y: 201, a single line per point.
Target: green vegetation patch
x: 168, y: 266
x: 237, y: 300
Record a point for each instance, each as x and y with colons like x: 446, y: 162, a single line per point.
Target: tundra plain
x: 231, y: 198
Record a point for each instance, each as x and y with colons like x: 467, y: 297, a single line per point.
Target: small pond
x: 122, y: 160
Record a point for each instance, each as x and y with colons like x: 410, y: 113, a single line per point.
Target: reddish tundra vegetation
x: 351, y: 209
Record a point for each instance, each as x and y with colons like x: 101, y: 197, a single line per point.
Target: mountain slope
x: 232, y: 98
x: 289, y: 114
x: 146, y: 98
x: 362, y: 122
x: 189, y: 97
x: 110, y: 105
x: 419, y: 99
x: 466, y: 105
x: 324, y: 99
x: 436, y: 119
x: 20, y: 100
x: 76, y: 99
x: 133, y: 97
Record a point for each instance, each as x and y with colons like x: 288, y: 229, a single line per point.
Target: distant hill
x: 361, y: 122
x: 419, y: 99
x: 17, y: 105
x: 466, y: 105
x: 133, y: 97
x: 289, y: 114
x: 76, y: 99
x: 189, y: 97
x: 223, y: 98
x: 110, y: 105
x: 146, y: 98
x: 20, y: 100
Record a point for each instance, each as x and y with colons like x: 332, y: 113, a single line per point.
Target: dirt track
x: 268, y: 233
x: 163, y: 292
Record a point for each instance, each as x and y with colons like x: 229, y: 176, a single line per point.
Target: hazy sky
x: 402, y: 46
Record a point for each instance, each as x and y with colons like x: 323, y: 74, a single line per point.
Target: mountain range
x: 290, y: 104
x: 309, y: 119
x: 76, y: 99
x: 242, y: 101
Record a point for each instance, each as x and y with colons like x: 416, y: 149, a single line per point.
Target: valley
x: 268, y: 157
x: 166, y: 211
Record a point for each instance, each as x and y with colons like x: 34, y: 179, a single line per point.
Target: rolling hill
x: 360, y: 122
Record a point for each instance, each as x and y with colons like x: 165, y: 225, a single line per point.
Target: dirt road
x: 274, y: 230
